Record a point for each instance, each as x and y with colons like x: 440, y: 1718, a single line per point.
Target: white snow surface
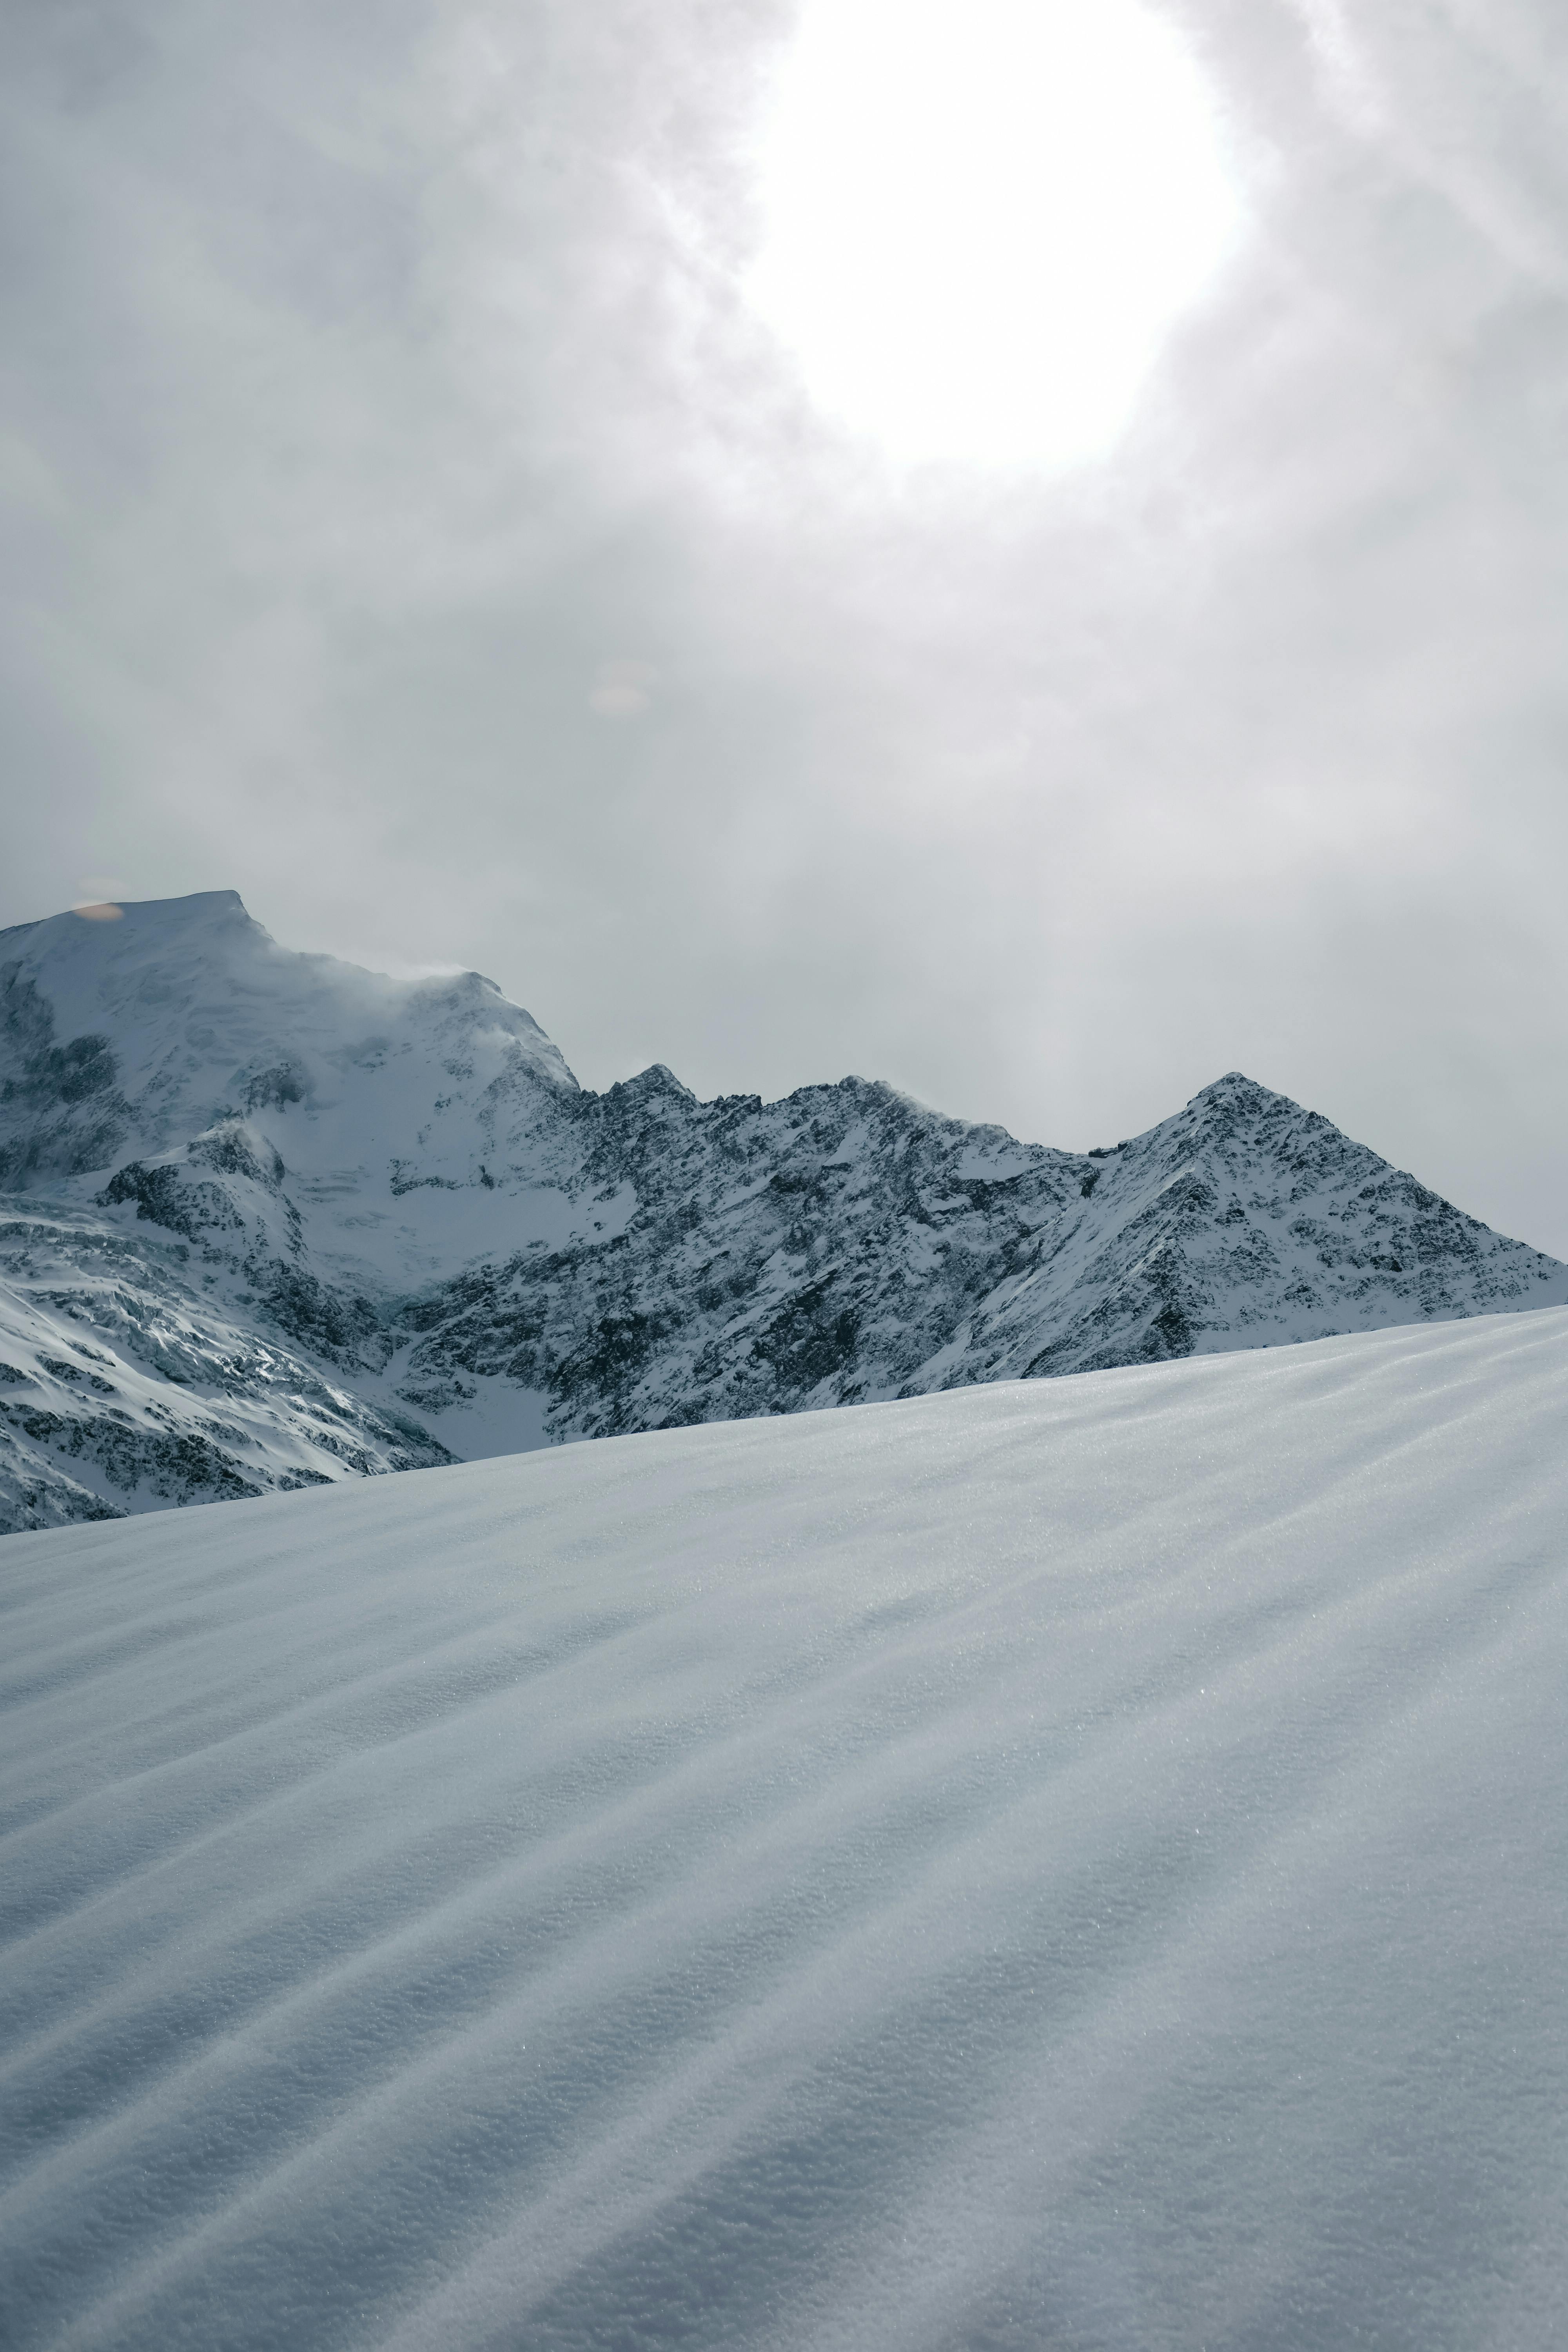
x: 205, y: 1013
x: 1076, y: 1863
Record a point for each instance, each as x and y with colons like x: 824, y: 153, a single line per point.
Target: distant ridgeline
x: 270, y: 1221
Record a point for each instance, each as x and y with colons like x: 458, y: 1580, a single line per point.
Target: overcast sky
x: 411, y: 525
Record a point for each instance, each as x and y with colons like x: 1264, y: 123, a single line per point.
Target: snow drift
x: 1074, y: 1863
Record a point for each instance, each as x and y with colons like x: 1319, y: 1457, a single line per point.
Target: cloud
x: 416, y: 532
x: 622, y: 689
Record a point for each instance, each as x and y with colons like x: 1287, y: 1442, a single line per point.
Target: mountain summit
x: 271, y: 1220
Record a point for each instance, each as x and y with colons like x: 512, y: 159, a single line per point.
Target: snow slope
x: 124, y: 1040
x: 1079, y: 1862
x: 398, y: 1190
x: 124, y: 1387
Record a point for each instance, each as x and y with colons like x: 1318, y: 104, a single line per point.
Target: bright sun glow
x: 982, y: 215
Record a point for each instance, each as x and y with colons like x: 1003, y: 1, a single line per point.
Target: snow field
x: 1073, y: 1863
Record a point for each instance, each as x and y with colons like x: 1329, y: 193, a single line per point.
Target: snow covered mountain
x: 271, y: 1219
x: 123, y: 1383
x: 1073, y: 1863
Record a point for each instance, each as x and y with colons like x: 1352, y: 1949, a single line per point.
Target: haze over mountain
x: 273, y: 1221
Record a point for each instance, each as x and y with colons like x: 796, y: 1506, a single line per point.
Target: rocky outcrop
x: 125, y: 1387
x: 847, y: 1244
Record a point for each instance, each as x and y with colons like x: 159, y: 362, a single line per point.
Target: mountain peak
x: 124, y: 1037
x: 656, y: 1084
x: 1235, y: 1089
x: 394, y: 1190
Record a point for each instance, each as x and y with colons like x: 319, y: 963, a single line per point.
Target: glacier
x: 268, y: 1221
x: 1068, y: 1862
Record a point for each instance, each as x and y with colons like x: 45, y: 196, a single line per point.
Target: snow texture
x: 1078, y: 1862
x: 282, y: 1220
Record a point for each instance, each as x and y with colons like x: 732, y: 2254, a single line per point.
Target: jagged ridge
x: 305, y: 1222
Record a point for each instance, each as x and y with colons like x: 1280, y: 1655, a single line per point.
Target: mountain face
x: 267, y: 1220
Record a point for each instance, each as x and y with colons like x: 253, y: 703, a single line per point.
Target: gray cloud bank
x: 408, y: 528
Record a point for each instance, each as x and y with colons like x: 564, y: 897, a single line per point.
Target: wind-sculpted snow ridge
x: 1078, y: 1863
x: 400, y: 1187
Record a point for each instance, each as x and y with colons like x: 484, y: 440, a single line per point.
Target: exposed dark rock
x: 275, y: 1088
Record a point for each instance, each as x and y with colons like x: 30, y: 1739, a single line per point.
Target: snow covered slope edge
x: 1074, y: 1863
